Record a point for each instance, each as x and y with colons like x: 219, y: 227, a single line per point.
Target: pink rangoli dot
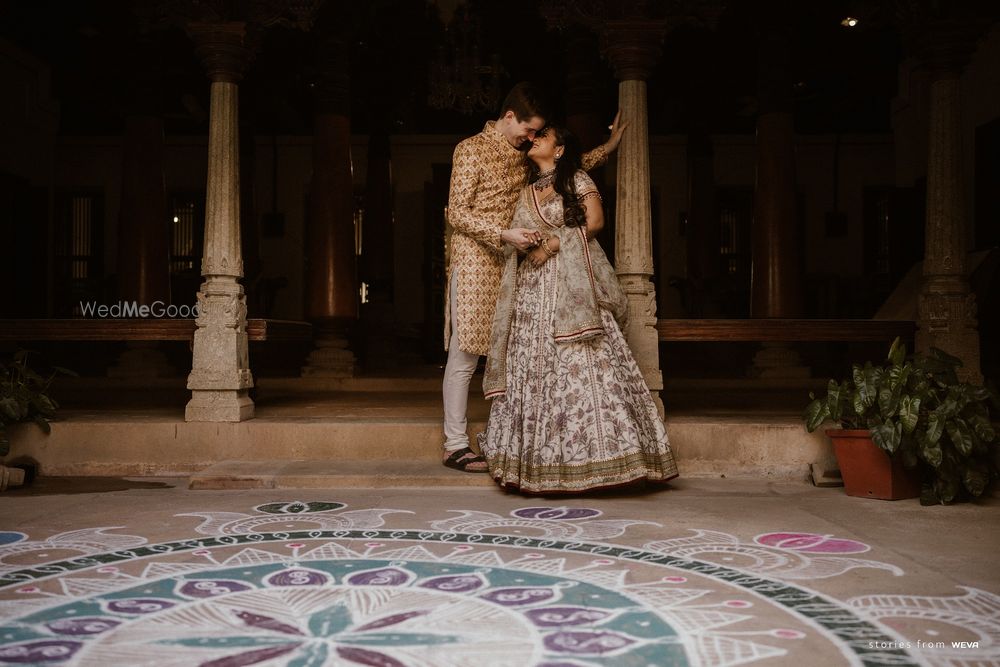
x: 675, y: 580
x: 374, y: 544
x: 603, y: 561
x: 28, y: 589
x: 201, y: 552
x: 295, y: 545
x: 737, y: 604
x: 534, y: 556
x: 462, y: 547
x: 107, y: 569
x: 788, y: 634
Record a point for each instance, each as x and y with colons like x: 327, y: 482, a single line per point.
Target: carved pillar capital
x: 223, y: 49
x: 945, y: 47
x: 333, y: 84
x: 633, y: 46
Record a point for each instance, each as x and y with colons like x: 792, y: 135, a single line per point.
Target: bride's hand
x: 537, y: 257
x: 617, y: 130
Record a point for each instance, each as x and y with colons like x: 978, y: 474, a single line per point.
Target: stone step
x: 157, y: 441
x: 327, y: 474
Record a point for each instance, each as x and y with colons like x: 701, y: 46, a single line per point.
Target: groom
x: 486, y: 179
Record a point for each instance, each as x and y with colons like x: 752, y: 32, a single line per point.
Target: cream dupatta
x: 586, y: 282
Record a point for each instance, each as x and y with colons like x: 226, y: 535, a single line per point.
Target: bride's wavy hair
x: 574, y: 214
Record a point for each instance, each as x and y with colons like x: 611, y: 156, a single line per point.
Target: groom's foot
x: 465, y: 460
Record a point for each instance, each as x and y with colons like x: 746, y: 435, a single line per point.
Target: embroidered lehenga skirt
x: 575, y: 416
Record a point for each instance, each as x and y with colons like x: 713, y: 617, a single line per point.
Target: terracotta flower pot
x: 868, y: 471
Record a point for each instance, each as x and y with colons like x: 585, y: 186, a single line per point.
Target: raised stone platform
x: 307, y: 435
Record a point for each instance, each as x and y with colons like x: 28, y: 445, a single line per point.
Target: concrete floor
x: 703, y: 572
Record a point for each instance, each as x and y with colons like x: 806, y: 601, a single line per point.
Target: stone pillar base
x: 330, y: 359
x: 219, y: 406
x: 778, y: 360
x: 142, y: 359
x: 947, y: 320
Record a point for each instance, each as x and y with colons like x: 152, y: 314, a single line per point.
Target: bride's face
x: 543, y: 147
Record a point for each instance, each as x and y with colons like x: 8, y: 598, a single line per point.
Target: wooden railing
x: 26, y: 330
x: 784, y: 330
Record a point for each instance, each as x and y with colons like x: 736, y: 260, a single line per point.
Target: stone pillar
x: 946, y: 308
x: 776, y: 275
x: 331, y: 260
x: 143, y: 240
x: 220, y: 375
x: 633, y: 47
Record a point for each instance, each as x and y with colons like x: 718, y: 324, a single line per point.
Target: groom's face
x: 520, y: 131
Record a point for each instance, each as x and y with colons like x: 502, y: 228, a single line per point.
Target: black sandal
x: 463, y: 458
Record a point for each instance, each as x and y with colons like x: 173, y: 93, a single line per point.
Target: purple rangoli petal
x: 268, y: 623
x: 385, y: 622
x: 512, y: 597
x: 586, y: 643
x: 387, y: 576
x: 206, y: 588
x: 558, y: 616
x: 297, y: 578
x: 251, y: 657
x: 82, y: 626
x: 456, y: 583
x: 39, y: 652
x: 139, y: 605
x: 370, y: 658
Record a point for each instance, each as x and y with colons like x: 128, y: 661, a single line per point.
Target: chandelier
x: 457, y: 79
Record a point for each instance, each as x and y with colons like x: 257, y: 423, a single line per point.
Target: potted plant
x: 23, y: 397
x: 918, y: 417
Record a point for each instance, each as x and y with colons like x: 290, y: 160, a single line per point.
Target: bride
x: 571, y: 411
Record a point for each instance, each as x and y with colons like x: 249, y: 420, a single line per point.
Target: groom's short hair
x: 525, y: 101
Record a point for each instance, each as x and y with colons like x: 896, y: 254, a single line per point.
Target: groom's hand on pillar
x: 521, y: 238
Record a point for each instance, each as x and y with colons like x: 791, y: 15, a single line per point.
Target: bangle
x: 546, y: 249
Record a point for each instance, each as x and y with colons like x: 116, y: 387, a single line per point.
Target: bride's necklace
x: 545, y: 179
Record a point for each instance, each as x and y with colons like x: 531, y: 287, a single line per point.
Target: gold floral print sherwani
x: 487, y: 175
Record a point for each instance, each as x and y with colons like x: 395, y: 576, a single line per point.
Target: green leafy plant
x: 917, y: 409
x: 24, y: 396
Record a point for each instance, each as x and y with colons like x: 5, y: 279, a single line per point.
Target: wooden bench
x: 783, y: 330
x: 140, y: 329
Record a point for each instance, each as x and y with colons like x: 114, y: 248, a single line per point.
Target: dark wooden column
x: 776, y: 288
x: 776, y: 273
x: 143, y: 232
x: 143, y: 240
x: 946, y: 307
x: 331, y: 260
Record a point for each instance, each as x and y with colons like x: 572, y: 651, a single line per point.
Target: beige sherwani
x: 486, y: 179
